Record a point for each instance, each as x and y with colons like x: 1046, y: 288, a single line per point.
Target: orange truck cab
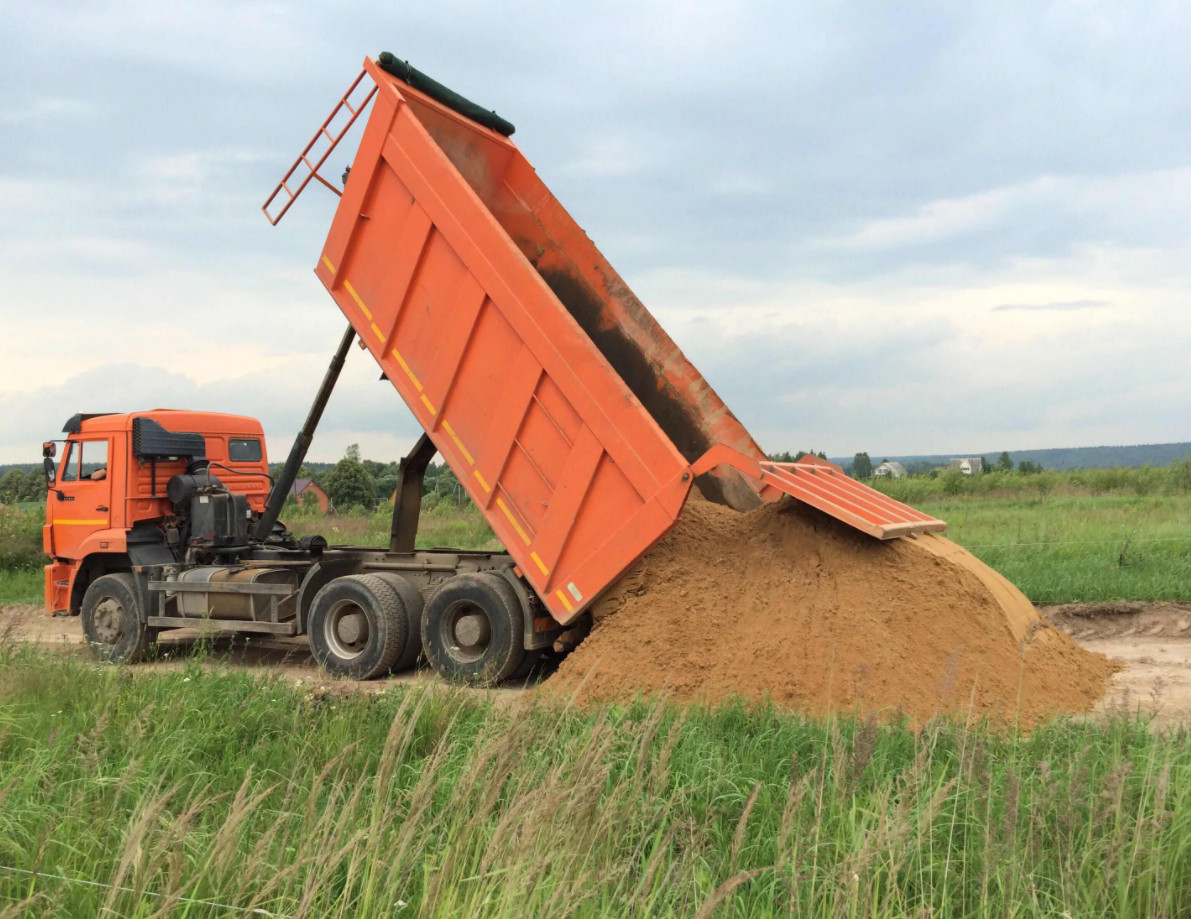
x: 107, y: 509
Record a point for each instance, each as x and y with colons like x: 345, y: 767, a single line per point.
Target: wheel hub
x: 109, y: 620
x: 351, y: 628
x: 472, y: 631
x: 346, y: 630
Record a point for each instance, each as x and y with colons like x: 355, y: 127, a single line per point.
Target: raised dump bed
x: 574, y: 422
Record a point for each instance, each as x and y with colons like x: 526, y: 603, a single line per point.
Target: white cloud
x: 197, y: 165
x: 48, y: 108
x: 871, y: 232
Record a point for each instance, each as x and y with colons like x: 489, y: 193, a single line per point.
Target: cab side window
x: 243, y: 450
x: 70, y: 465
x: 94, y: 459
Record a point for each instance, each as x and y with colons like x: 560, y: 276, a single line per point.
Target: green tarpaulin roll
x: 390, y: 63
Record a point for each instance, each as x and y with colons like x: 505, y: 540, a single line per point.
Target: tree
x: 862, y: 466
x: 35, y: 486
x: 1005, y: 464
x: 349, y: 482
x: 386, y: 481
x: 12, y: 486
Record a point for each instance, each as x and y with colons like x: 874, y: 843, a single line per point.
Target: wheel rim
x: 467, y: 631
x: 346, y: 629
x: 110, y: 621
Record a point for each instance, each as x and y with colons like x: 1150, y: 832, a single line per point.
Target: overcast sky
x: 900, y: 228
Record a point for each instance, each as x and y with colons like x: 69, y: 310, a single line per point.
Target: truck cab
x: 107, y: 509
x: 168, y: 519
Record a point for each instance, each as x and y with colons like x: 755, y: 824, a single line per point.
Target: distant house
x: 890, y: 469
x: 968, y: 465
x: 302, y: 487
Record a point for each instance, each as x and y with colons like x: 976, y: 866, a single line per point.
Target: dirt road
x: 1154, y: 641
x: 289, y: 656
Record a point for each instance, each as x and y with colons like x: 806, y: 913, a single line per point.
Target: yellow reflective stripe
x: 405, y: 367
x: 376, y: 330
x: 327, y: 262
x: 539, y: 562
x: 458, y: 443
x: 513, y: 520
x: 428, y: 405
x: 565, y: 601
x: 480, y: 479
x: 347, y: 285
x: 79, y: 523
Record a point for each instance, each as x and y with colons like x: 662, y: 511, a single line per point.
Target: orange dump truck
x: 574, y: 422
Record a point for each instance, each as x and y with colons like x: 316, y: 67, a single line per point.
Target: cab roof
x: 177, y: 420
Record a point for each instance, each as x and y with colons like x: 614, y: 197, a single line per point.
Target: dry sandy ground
x: 1154, y: 641
x: 289, y: 656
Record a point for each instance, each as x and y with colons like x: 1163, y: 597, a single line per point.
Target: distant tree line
x: 355, y: 482
x: 18, y: 486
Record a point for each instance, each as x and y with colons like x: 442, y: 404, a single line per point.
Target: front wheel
x: 473, y: 629
x: 112, y: 621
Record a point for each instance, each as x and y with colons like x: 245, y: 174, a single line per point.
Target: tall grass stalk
x: 248, y: 790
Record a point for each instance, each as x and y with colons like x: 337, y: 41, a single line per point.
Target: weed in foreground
x: 236, y: 789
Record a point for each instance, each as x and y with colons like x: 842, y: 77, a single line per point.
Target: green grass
x: 1078, y: 548
x: 22, y: 585
x: 246, y: 790
x: 441, y: 525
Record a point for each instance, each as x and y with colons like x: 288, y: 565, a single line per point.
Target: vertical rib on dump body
x: 573, y: 474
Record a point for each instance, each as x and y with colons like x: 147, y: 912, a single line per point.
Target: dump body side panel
x: 571, y: 471
x: 649, y: 362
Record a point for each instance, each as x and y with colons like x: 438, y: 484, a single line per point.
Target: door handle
x: 101, y: 508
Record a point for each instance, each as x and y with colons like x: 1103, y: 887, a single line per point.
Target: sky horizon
x: 872, y: 229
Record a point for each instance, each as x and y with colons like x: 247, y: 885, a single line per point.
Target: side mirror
x: 49, y: 472
x: 49, y: 449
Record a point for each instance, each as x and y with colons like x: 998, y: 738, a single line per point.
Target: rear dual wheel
x: 358, y: 626
x: 473, y: 628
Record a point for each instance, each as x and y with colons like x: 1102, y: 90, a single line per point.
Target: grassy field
x: 198, y: 793
x: 445, y: 525
x: 1078, y: 548
x: 21, y: 585
x: 1060, y: 543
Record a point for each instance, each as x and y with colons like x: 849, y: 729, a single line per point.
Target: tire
x: 473, y: 628
x: 357, y: 627
x: 112, y: 622
x: 527, y: 666
x: 411, y: 600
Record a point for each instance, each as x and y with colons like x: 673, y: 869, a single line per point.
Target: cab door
x: 82, y: 497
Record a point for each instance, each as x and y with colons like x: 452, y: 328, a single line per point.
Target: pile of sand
x: 788, y: 603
